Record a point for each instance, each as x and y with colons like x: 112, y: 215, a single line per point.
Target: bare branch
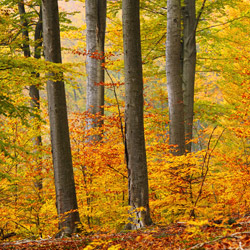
x: 118, y: 106
x: 117, y: 171
x: 221, y: 24
x: 199, y: 15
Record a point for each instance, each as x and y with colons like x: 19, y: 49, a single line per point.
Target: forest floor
x: 181, y: 235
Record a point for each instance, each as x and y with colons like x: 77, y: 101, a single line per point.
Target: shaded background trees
x: 95, y: 40
x: 174, y: 78
x: 188, y: 67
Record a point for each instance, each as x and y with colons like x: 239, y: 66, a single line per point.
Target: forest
x: 124, y: 124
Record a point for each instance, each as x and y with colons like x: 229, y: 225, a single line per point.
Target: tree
x: 96, y: 26
x: 25, y: 32
x: 134, y: 124
x: 174, y: 80
x: 188, y: 67
x: 63, y: 170
x: 33, y: 89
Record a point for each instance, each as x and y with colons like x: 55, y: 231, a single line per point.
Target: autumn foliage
x: 202, y: 197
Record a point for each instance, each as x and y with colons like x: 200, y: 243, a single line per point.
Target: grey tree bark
x: 63, y: 170
x: 134, y: 124
x: 96, y: 26
x: 189, y: 62
x: 174, y: 80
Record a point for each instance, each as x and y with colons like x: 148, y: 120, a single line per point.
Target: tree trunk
x: 33, y: 90
x: 35, y: 96
x: 62, y: 160
x: 96, y: 26
x: 25, y: 32
x: 189, y: 62
x: 174, y: 80
x: 134, y: 125
x: 38, y: 36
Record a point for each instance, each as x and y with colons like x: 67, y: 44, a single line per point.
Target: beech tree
x: 188, y: 66
x: 24, y: 25
x: 185, y: 60
x: 134, y: 124
x: 33, y: 90
x: 96, y: 26
x: 174, y: 80
x: 63, y: 170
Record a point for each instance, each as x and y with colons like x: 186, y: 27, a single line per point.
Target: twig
x: 117, y: 171
x: 118, y: 106
x: 199, y: 15
x: 221, y: 24
x: 235, y: 236
x: 206, y: 163
x: 120, y: 117
x: 6, y: 236
x: 154, y: 46
x: 23, y: 227
x: 208, y: 147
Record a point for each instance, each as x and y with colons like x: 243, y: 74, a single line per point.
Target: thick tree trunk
x: 96, y: 26
x: 135, y: 142
x: 189, y: 62
x: 62, y: 161
x: 174, y: 80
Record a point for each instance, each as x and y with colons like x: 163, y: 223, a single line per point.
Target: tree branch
x: 199, y: 15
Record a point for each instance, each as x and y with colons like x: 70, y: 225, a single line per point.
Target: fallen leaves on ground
x: 182, y: 235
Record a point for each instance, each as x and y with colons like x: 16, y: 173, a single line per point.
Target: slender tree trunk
x: 62, y: 160
x: 33, y: 90
x: 35, y: 96
x: 174, y: 80
x: 25, y: 32
x: 134, y: 125
x: 38, y: 36
x: 96, y: 26
x: 189, y: 62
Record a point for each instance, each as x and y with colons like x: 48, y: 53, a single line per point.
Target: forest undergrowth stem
x: 123, y: 136
x: 205, y: 167
x: 118, y: 105
x: 120, y: 118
